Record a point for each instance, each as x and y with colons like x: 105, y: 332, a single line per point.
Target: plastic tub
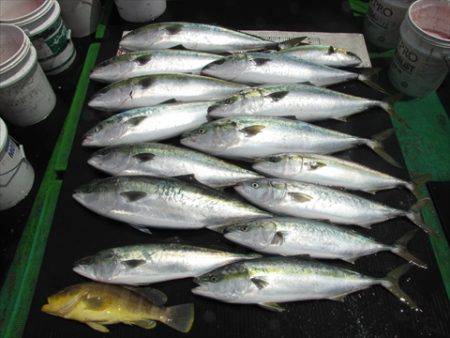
x: 42, y: 22
x: 422, y: 59
x: 26, y: 96
x: 383, y: 20
x: 140, y: 10
x: 81, y: 16
x: 16, y: 173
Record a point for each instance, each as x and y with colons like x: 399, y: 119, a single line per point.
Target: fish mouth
x: 88, y: 141
x: 46, y: 308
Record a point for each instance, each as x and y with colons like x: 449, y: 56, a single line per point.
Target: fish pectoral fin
x: 259, y: 282
x: 261, y: 61
x: 144, y: 157
x: 252, y: 130
x: 278, y: 238
x: 299, y: 197
x: 338, y: 298
x: 133, y: 263
x: 93, y: 303
x: 174, y: 28
x: 331, y: 50
x: 189, y: 178
x: 98, y: 327
x: 134, y: 121
x: 340, y: 118
x: 133, y: 196
x: 142, y: 228
x: 366, y: 226
x: 272, y: 307
x: 350, y: 260
x: 155, y: 296
x: 145, y: 324
x: 277, y: 96
x: 169, y: 101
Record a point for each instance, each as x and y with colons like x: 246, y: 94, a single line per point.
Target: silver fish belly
x: 163, y: 160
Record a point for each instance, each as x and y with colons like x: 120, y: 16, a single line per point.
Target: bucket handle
x: 447, y: 61
x: 15, y: 168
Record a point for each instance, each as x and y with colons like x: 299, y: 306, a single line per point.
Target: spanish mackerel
x: 267, y: 281
x: 305, y: 102
x: 273, y: 68
x: 308, y: 200
x: 150, y: 90
x: 163, y: 203
x: 196, y: 36
x: 164, y: 160
x: 288, y: 236
x: 330, y: 171
x: 250, y: 137
x: 141, y: 63
x: 324, y: 55
x: 153, y: 263
x: 147, y: 124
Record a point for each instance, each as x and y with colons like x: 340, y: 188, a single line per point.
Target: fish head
x: 150, y: 35
x: 114, y: 97
x: 102, y: 267
x: 63, y: 302
x: 262, y: 191
x: 251, y: 233
x: 228, y: 67
x: 112, y: 160
x: 212, y: 137
x: 225, y: 108
x: 280, y: 164
x: 98, y: 195
x: 111, y: 70
x: 227, y: 283
x: 351, y: 58
x: 246, y: 100
x: 107, y: 132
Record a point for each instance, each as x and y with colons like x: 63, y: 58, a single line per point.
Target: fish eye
x: 244, y: 228
x: 274, y: 159
x: 201, y: 131
x: 213, y: 279
x: 255, y: 185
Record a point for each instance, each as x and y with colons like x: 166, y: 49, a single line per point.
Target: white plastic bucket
x: 140, y: 10
x: 383, y: 20
x: 42, y: 22
x: 422, y: 59
x: 16, y: 173
x: 26, y: 96
x: 81, y: 16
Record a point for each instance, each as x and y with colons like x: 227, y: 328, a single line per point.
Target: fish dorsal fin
x: 277, y: 96
x: 155, y: 296
x: 271, y: 307
x: 300, y: 197
x: 134, y: 121
x: 143, y: 59
x: 98, y: 327
x: 331, y: 50
x: 259, y: 282
x: 144, y: 157
x: 173, y: 28
x: 134, y: 263
x: 315, y: 165
x: 252, y: 130
x: 261, y: 61
x: 133, y: 196
x: 278, y: 238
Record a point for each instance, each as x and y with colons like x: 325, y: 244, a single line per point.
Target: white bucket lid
x: 3, y: 136
x: 24, y: 13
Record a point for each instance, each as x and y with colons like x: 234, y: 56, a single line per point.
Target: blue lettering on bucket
x: 11, y: 151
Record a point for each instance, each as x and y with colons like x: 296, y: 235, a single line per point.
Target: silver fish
x: 273, y: 68
x: 268, y: 281
x: 147, y: 124
x: 153, y: 89
x: 288, y: 236
x: 153, y: 263
x: 330, y: 171
x: 163, y: 203
x: 141, y: 63
x: 249, y: 137
x: 308, y: 200
x: 163, y: 160
x: 324, y: 55
x: 193, y: 36
x: 305, y: 102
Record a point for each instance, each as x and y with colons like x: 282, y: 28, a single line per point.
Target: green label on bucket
x: 52, y: 41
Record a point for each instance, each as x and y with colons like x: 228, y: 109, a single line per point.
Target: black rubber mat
x: 77, y: 232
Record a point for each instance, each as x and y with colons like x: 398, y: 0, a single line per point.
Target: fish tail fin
x: 367, y: 77
x: 414, y: 215
x: 179, y: 317
x: 294, y: 42
x: 392, y: 283
x: 376, y: 144
x: 417, y: 182
x: 388, y: 106
x: 400, y: 249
